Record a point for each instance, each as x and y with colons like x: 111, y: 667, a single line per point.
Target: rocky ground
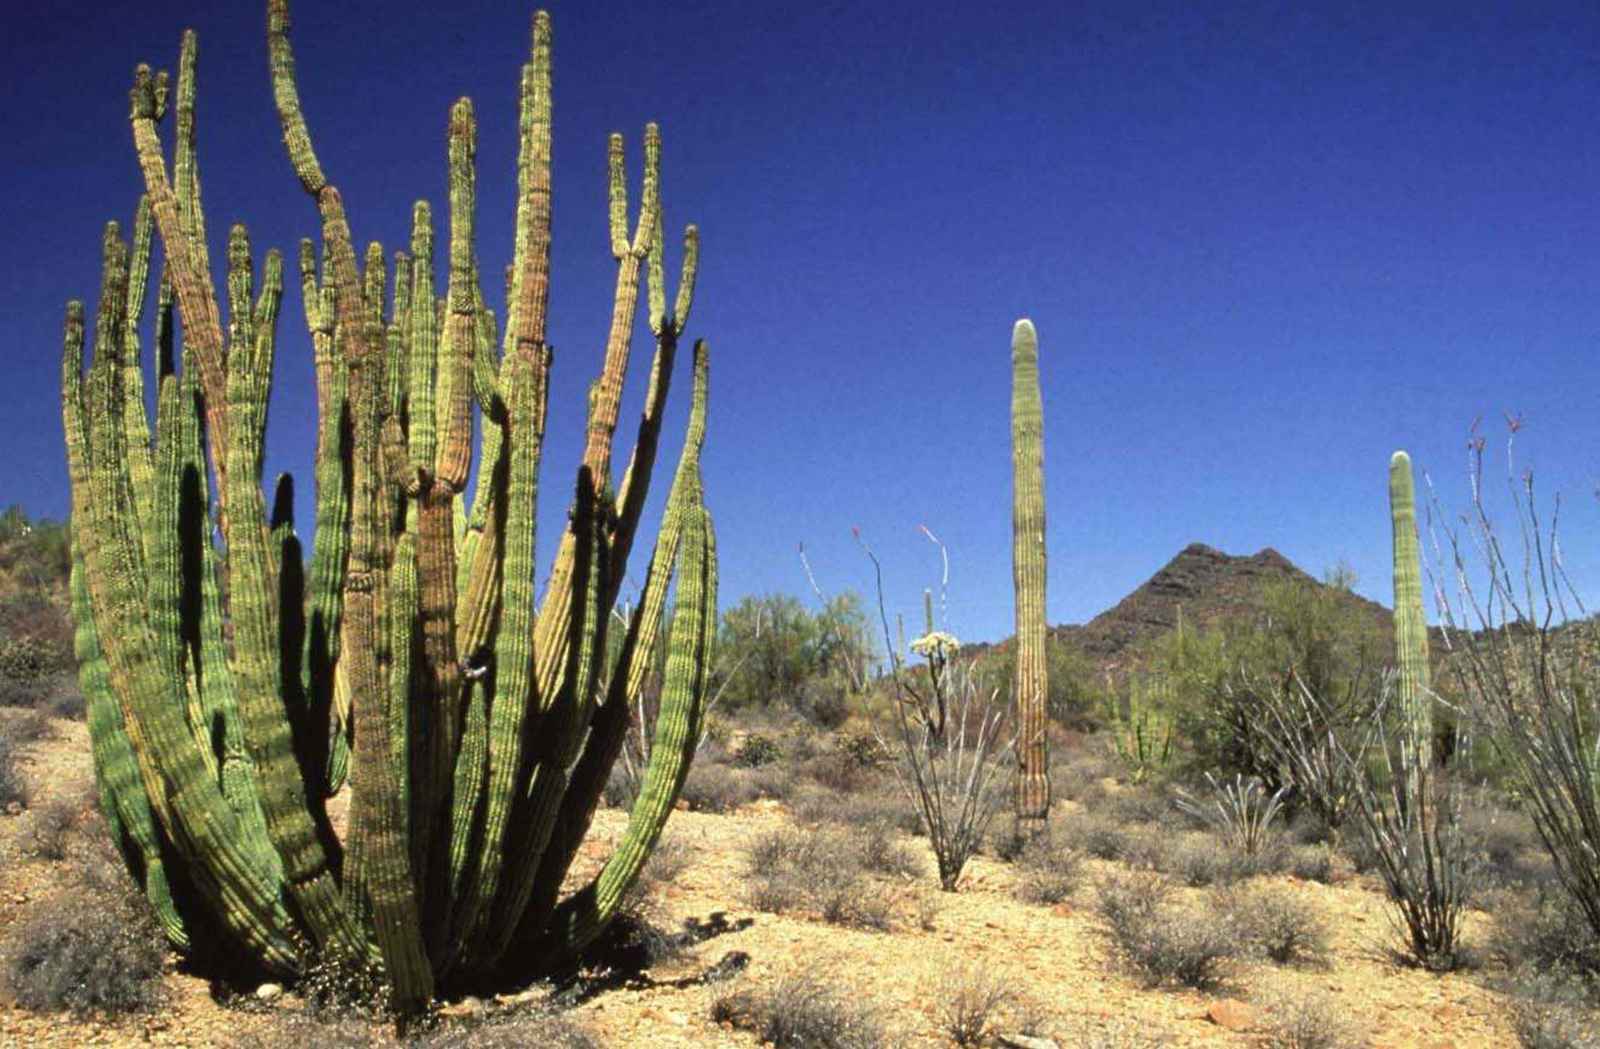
x: 1055, y: 961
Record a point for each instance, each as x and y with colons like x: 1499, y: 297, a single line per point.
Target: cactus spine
x: 1028, y: 578
x: 1410, y: 626
x: 220, y: 727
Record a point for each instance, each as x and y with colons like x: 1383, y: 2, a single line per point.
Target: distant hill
x: 1207, y: 585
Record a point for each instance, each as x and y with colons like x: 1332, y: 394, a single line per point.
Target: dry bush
x: 1309, y: 1021
x: 1548, y: 933
x: 1311, y: 863
x: 1098, y: 835
x: 1553, y: 1010
x: 820, y: 869
x: 714, y: 787
x: 28, y: 726
x: 13, y: 785
x: 49, y: 827
x: 1279, y: 923
x: 969, y: 1000
x: 882, y: 854
x: 800, y: 1013
x: 1162, y: 939
x: 85, y: 951
x: 1047, y: 873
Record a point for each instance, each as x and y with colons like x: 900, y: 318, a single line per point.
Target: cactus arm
x: 1028, y: 570
x: 183, y: 249
x: 635, y: 661
x: 580, y: 919
x: 253, y: 605
x: 141, y: 465
x: 522, y: 378
x: 183, y: 795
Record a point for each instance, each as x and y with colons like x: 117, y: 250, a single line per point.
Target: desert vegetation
x: 391, y: 793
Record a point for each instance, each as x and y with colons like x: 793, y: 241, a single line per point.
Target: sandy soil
x: 1054, y: 957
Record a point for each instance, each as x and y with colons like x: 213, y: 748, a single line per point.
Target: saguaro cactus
x: 1410, y: 627
x: 1028, y: 577
x: 484, y: 722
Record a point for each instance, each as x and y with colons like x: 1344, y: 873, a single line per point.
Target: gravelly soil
x: 1055, y: 958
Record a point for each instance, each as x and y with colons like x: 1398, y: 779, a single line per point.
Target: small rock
x: 269, y: 992
x: 1027, y: 1041
x: 1230, y: 1013
x: 465, y: 1008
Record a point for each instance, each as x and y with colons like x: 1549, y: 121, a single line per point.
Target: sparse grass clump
x: 800, y: 1013
x: 969, y: 1001
x: 1310, y: 1021
x: 1162, y: 939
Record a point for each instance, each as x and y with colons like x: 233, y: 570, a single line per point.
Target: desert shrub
x: 1161, y: 939
x: 1078, y: 776
x: 1553, y: 1010
x: 85, y: 952
x: 757, y: 750
x: 1310, y: 863
x: 1279, y: 923
x: 714, y: 787
x: 1505, y: 844
x: 1547, y: 932
x: 840, y: 771
x: 1308, y: 1021
x: 1137, y: 804
x: 821, y: 869
x: 49, y: 827
x: 1097, y: 835
x: 882, y: 854
x: 800, y: 1013
x: 1198, y: 860
x: 1046, y: 873
x: 28, y: 726
x: 968, y: 1002
x: 543, y: 1026
x: 13, y: 785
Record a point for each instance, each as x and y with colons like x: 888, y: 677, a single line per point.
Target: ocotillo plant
x: 1410, y: 627
x: 1028, y: 575
x: 483, y: 721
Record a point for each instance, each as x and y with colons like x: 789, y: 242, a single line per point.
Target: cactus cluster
x: 1028, y: 576
x: 233, y: 690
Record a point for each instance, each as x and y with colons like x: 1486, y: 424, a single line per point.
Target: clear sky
x: 1263, y: 248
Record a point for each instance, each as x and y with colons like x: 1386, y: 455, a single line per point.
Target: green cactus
x: 415, y: 655
x: 1028, y: 576
x: 1410, y: 626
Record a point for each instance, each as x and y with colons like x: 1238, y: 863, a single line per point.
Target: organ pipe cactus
x: 475, y: 722
x: 1028, y: 577
x: 1410, y: 626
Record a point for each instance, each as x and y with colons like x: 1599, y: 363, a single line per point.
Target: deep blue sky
x: 1263, y: 249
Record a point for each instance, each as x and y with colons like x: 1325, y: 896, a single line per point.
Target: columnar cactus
x: 476, y: 723
x: 1028, y: 576
x: 1410, y: 626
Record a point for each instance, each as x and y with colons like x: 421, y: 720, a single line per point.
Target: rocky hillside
x: 1201, y: 583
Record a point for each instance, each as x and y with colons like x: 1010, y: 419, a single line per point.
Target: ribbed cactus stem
x: 1028, y: 575
x: 1410, y: 625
